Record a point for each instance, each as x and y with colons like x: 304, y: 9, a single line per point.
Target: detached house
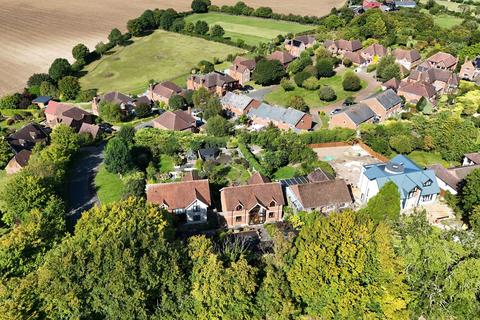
x: 215, y: 82
x: 353, y: 116
x: 58, y: 113
x: 444, y: 81
x: 282, y: 118
x: 340, y: 47
x: 441, y: 60
x: 124, y: 101
x: 373, y: 53
x: 178, y: 120
x: 188, y: 200
x: 384, y: 104
x: 162, y: 92
x: 470, y: 70
x: 252, y: 204
x: 406, y: 58
x: 238, y: 104
x: 356, y: 58
x: 450, y: 179
x: 414, y: 91
x: 299, y: 44
x: 242, y: 69
x: 415, y: 185
x: 284, y: 57
x: 471, y: 159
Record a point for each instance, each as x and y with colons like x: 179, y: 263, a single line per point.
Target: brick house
x: 442, y: 60
x: 238, y: 104
x: 353, y: 116
x: 282, y: 118
x: 59, y: 113
x: 384, y: 104
x: 284, y: 57
x: 339, y: 47
x: 189, y: 200
x: 444, y: 81
x: 242, y: 69
x: 162, y: 92
x: 215, y: 82
x: 178, y: 120
x: 406, y: 58
x: 469, y: 70
x: 414, y: 91
x: 373, y: 53
x: 355, y: 57
x: 125, y: 102
x: 299, y: 44
x: 252, y: 204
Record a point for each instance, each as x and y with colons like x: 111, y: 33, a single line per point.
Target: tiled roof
x: 250, y: 195
x: 422, y: 89
x: 348, y: 45
x: 242, y: 61
x: 443, y: 59
x: 279, y: 114
x: 116, y: 97
x: 475, y: 157
x: 22, y: 157
x: 355, y: 57
x: 282, y: 56
x: 177, y: 121
x: 376, y: 49
x: 239, y: 101
x: 92, y: 129
x: 453, y: 176
x: 392, y: 83
x: 258, y: 178
x: 213, y: 79
x: 320, y: 194
x: 179, y: 195
x: 359, y: 113
x: 167, y: 89
x: 26, y: 137
x: 409, y: 55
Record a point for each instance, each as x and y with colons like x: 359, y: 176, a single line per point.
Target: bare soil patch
x: 33, y: 33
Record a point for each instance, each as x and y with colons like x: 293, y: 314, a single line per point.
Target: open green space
x: 160, y: 56
x: 29, y: 115
x: 450, y: 5
x: 286, y: 172
x: 109, y: 186
x: 445, y: 20
x: 280, y: 96
x: 252, y: 30
x: 237, y: 174
x: 166, y: 163
x: 424, y: 158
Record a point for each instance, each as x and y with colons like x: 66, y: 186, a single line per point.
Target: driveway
x: 80, y: 187
x: 259, y: 94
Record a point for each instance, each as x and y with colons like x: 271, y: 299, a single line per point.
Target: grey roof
x: 239, y: 101
x: 266, y: 111
x: 388, y: 99
x: 359, y: 113
x: 42, y: 99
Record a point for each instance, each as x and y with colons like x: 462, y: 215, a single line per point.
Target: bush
x: 48, y: 89
x: 301, y: 77
x: 347, y: 62
x: 298, y: 103
x: 311, y: 84
x: 287, y: 84
x: 218, y: 126
x: 134, y: 185
x: 143, y: 110
x: 371, y: 67
x: 351, y: 82
x: 86, y: 95
x: 177, y: 102
x: 205, y: 66
x: 217, y: 31
x: 325, y: 67
x: 10, y: 101
x: 326, y: 93
x: 60, y: 68
x: 312, y: 70
x: 68, y: 87
x: 250, y: 157
x: 199, y: 6
x: 36, y: 79
x: 110, y: 111
x: 80, y: 52
x: 201, y: 27
x: 268, y: 72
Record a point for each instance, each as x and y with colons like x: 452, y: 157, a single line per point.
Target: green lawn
x: 445, y: 20
x: 249, y: 29
x: 159, y: 56
x: 280, y: 96
x: 426, y: 159
x: 20, y: 123
x: 237, y: 174
x: 286, y: 172
x: 109, y: 186
x: 166, y: 164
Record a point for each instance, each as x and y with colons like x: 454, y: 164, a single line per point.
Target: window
x: 238, y: 219
x: 271, y: 215
x: 427, y: 183
x: 273, y: 203
x: 427, y: 198
x: 197, y: 217
x: 196, y: 208
x: 239, y: 207
x: 411, y: 194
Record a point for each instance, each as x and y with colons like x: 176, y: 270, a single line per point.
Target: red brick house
x: 162, y: 92
x: 116, y: 97
x: 284, y: 57
x: 178, y: 120
x: 406, y: 58
x: 299, y: 44
x: 215, y: 82
x: 339, y: 47
x: 373, y: 52
x: 238, y: 104
x: 384, y: 104
x: 414, y: 91
x: 242, y: 69
x: 352, y: 117
x: 442, y: 60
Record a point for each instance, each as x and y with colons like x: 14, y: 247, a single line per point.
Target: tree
x: 60, y: 68
x: 123, y: 274
x: 375, y: 26
x: 48, y: 89
x: 69, y: 87
x: 5, y: 153
x: 469, y: 103
x: 143, y: 110
x: 36, y: 79
x: 199, y: 6
x: 325, y: 67
x: 80, y: 52
x: 101, y: 48
x: 201, y: 27
x: 126, y: 134
x: 217, y: 31
x: 326, y: 93
x: 388, y: 69
x: 402, y: 143
x: 200, y: 98
x: 268, y: 72
x: 167, y: 19
x: 135, y: 27
x: 298, y: 103
x: 218, y: 126
x: 311, y: 84
x: 206, y: 66
x: 117, y: 156
x: 300, y: 78
x: 385, y: 205
x: 10, y: 101
x: 177, y: 102
x: 115, y: 37
x: 178, y: 25
x: 299, y: 64
x: 469, y: 193
x: 263, y: 12
x: 213, y: 108
x: 351, y: 82
x: 110, y: 111
x: 134, y: 185
x: 287, y: 84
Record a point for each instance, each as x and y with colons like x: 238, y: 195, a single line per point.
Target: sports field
x: 159, y: 56
x: 250, y: 29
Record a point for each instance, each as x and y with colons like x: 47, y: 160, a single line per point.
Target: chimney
x: 22, y: 142
x: 189, y: 110
x: 33, y: 135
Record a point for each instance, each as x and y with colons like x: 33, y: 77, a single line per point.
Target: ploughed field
x: 249, y: 29
x: 33, y: 33
x: 159, y: 56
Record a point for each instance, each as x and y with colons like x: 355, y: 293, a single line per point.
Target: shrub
x: 347, y: 62
x: 325, y: 67
x: 217, y: 31
x: 301, y: 77
x: 69, y: 87
x: 177, y: 102
x: 312, y: 70
x: 298, y: 103
x: 287, y: 84
x: 143, y: 110
x: 311, y: 84
x: 326, y: 93
x: 351, y: 82
x: 268, y: 72
x: 371, y: 67
x: 201, y: 27
x: 199, y: 6
x: 86, y: 95
x: 80, y: 51
x: 36, y: 79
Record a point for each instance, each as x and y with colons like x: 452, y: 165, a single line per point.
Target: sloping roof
x: 387, y: 99
x: 306, y: 39
x: 177, y: 121
x: 405, y: 173
x: 282, y: 56
x: 355, y: 57
x: 321, y: 194
x: 348, y: 45
x: 258, y: 178
x: 92, y: 129
x: 26, y: 137
x: 42, y: 99
x: 392, y: 84
x: 409, y: 55
x: 213, y: 79
x: 376, y: 49
x: 179, y: 195
x: 142, y: 100
x: 116, y: 97
x: 475, y: 157
x: 191, y: 175
x: 422, y: 89
x: 289, y: 116
x: 242, y: 61
x: 443, y: 59
x: 318, y: 175
x: 57, y: 108
x: 238, y: 101
x: 430, y: 75
x: 250, y: 195
x: 358, y: 113
x: 453, y: 176
x: 167, y: 89
x: 75, y: 113
x: 22, y: 157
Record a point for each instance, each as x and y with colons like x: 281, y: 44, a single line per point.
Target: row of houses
x: 258, y: 202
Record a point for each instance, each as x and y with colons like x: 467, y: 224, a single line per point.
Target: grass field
x: 109, y: 186
x: 426, y: 159
x: 280, y: 96
x: 445, y: 20
x: 249, y: 29
x: 159, y: 56
x: 285, y: 173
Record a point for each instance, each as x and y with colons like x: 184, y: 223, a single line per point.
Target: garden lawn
x: 237, y: 174
x: 109, y: 186
x: 424, y: 158
x: 166, y: 164
x: 252, y: 30
x: 160, y: 56
x: 286, y: 172
x: 280, y: 96
x: 20, y: 123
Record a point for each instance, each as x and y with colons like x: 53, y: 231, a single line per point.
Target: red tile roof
x: 176, y: 121
x: 249, y: 196
x: 179, y: 195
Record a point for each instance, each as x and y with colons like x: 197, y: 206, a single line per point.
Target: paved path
x: 80, y: 187
x: 259, y: 94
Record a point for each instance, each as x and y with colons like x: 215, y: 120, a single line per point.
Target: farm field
x: 249, y: 29
x: 34, y: 33
x: 159, y: 56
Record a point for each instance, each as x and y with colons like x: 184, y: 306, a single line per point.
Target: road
x: 80, y: 187
x: 259, y: 94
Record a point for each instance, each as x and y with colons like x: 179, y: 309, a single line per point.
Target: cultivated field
x: 33, y: 33
x: 160, y: 56
x: 249, y: 29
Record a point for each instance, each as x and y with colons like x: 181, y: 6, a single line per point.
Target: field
x: 249, y: 29
x: 445, y: 20
x: 36, y: 32
x: 160, y: 56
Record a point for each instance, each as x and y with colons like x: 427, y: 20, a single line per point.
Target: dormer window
x: 273, y: 203
x: 239, y: 207
x: 411, y: 194
x: 427, y: 183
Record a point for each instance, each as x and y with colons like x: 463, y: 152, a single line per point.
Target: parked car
x: 335, y: 111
